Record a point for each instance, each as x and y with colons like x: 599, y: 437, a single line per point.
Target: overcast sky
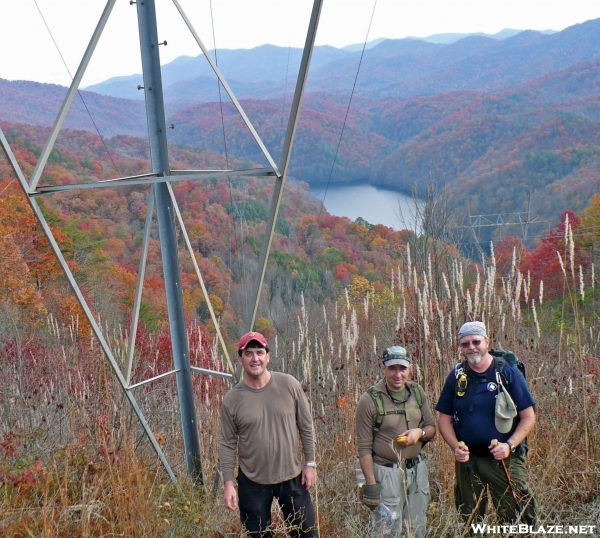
x: 38, y: 37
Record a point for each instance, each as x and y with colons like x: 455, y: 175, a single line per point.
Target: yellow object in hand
x: 401, y: 439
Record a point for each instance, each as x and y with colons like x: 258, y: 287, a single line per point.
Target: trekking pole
x: 510, y: 484
x: 473, y: 512
x: 462, y: 446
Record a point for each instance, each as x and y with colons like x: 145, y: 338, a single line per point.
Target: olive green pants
x: 486, y: 471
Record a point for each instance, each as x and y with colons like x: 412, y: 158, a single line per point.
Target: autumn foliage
x: 335, y: 292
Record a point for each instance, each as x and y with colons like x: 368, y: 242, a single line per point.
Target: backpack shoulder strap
x: 378, y: 401
x: 416, y: 390
x: 459, y: 371
x: 499, y: 364
x: 380, y: 408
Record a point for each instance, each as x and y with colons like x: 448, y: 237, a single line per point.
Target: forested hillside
x: 313, y: 252
x: 512, y: 122
x: 73, y: 460
x: 476, y: 126
x: 22, y: 101
x: 528, y: 148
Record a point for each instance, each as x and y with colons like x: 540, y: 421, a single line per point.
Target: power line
x: 337, y: 149
x: 78, y: 92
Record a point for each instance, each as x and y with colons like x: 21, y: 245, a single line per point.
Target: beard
x: 474, y: 359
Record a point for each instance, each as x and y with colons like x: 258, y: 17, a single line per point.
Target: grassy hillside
x: 73, y: 459
x: 73, y: 462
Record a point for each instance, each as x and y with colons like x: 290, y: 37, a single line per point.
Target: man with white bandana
x: 468, y: 414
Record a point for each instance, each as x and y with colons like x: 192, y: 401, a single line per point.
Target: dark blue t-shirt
x: 476, y: 409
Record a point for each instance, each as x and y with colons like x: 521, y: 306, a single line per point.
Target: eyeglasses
x: 466, y: 345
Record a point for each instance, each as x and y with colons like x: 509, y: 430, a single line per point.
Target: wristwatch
x: 312, y: 464
x: 423, y: 434
x: 511, y: 446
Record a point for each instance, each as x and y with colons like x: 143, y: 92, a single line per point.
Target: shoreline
x: 357, y: 183
x: 375, y: 205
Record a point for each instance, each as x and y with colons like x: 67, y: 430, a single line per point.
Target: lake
x: 374, y: 204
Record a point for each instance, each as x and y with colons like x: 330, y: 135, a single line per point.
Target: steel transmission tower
x: 162, y: 200
x: 524, y: 220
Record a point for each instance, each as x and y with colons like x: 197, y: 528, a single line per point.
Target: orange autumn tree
x: 17, y: 218
x: 30, y: 271
x: 18, y: 295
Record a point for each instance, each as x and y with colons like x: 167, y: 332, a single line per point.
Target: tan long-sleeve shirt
x: 262, y: 427
x: 384, y: 447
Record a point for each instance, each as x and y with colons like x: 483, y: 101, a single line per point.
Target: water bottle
x: 389, y: 515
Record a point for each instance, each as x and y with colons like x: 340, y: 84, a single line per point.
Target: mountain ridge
x: 500, y: 101
x: 393, y: 65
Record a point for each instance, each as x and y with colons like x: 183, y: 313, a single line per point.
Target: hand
x: 500, y: 451
x: 461, y: 452
x: 412, y: 437
x: 371, y: 495
x: 230, y: 496
x: 309, y: 476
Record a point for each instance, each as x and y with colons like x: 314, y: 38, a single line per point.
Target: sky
x: 44, y: 40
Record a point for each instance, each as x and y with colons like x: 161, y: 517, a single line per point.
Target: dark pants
x: 486, y: 471
x: 293, y: 498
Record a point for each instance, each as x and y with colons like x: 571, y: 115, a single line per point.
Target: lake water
x: 374, y: 204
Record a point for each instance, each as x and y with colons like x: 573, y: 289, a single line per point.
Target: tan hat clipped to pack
x: 506, y: 410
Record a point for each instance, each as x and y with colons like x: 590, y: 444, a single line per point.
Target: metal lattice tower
x: 162, y: 201
x: 524, y: 220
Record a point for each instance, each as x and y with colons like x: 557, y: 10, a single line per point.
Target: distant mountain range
x: 390, y: 67
x: 453, y: 37
x: 500, y: 120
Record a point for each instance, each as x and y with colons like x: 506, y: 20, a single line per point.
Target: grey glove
x: 371, y: 495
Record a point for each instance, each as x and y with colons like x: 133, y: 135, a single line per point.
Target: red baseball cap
x: 249, y: 337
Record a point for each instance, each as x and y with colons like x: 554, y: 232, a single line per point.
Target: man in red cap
x: 262, y: 418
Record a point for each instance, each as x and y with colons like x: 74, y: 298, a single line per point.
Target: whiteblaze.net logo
x: 481, y: 528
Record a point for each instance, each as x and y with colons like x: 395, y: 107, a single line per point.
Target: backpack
x: 501, y: 357
x: 380, y: 407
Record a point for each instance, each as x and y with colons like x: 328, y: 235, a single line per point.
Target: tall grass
x: 73, y: 461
